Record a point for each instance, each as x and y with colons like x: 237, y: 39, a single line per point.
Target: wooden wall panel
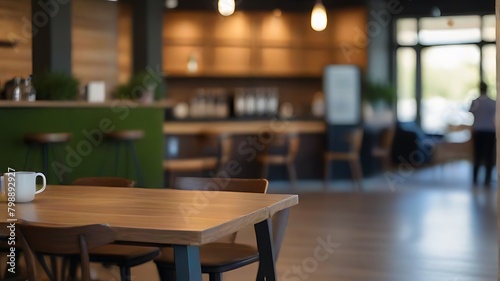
x: 176, y: 58
x: 95, y: 35
x: 237, y: 28
x: 124, y: 43
x: 14, y: 26
x: 94, y: 40
x: 232, y: 61
x: 259, y: 43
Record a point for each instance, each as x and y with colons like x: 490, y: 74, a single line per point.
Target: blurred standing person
x: 483, y: 133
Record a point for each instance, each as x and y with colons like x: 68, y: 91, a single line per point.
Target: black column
x: 51, y: 29
x: 147, y: 23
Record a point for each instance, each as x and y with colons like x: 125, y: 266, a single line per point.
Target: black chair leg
x: 125, y: 273
x: 215, y: 276
x: 165, y: 273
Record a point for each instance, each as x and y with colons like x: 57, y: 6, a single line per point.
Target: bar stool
x: 355, y: 139
x: 48, y: 142
x: 290, y: 142
x: 124, y: 140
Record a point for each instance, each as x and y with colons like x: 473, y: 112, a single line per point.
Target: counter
x: 87, y: 154
x: 244, y: 126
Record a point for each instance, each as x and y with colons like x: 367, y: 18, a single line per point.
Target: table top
x: 159, y: 216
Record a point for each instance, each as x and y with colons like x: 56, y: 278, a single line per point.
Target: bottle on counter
x: 250, y: 102
x: 17, y: 91
x: 29, y: 92
x: 260, y: 104
x: 239, y: 102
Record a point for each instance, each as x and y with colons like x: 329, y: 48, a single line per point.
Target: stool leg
x: 26, y: 158
x: 45, y: 148
x: 136, y: 163
x: 58, y: 155
x: 117, y: 157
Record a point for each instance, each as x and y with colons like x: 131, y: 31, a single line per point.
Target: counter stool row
x: 51, y: 144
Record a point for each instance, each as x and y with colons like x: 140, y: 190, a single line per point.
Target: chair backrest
x: 355, y: 139
x: 387, y: 138
x: 225, y: 149
x: 289, y: 141
x: 222, y: 184
x: 39, y: 240
x: 104, y: 181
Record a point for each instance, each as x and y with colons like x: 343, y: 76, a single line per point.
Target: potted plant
x: 143, y: 87
x: 379, y: 94
x: 55, y: 86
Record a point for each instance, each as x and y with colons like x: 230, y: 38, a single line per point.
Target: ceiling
x: 410, y: 7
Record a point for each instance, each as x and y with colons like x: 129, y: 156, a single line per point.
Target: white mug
x: 23, y: 185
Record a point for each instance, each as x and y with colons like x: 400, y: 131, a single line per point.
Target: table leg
x: 187, y: 263
x: 267, y: 268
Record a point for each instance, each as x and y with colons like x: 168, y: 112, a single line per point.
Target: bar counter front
x: 87, y: 153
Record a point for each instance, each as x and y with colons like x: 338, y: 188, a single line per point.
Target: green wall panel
x: 87, y: 154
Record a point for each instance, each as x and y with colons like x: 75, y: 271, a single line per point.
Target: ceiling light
x: 277, y: 13
x: 171, y: 4
x: 318, y: 17
x: 226, y: 7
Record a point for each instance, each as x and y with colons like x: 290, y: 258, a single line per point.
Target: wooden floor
x: 433, y: 226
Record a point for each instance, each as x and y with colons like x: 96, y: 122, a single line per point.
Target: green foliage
x: 138, y: 84
x: 55, y: 86
x: 373, y: 92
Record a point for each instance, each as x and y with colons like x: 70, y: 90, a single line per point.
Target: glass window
x: 489, y: 24
x: 489, y: 69
x: 458, y: 29
x: 406, y: 65
x: 407, y: 31
x: 450, y: 79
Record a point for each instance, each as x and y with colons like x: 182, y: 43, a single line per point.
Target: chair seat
x: 192, y: 164
x: 123, y: 254
x: 47, y: 137
x: 274, y: 159
x: 216, y: 257
x: 341, y: 156
x: 380, y: 152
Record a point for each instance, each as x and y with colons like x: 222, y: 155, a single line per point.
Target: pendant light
x: 318, y: 17
x: 226, y: 7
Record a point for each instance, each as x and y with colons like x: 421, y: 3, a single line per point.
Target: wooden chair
x: 201, y: 162
x: 291, y: 143
x: 355, y: 139
x: 223, y: 255
x: 123, y: 256
x: 383, y: 150
x: 41, y: 240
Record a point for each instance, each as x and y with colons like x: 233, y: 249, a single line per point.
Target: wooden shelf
x: 83, y: 104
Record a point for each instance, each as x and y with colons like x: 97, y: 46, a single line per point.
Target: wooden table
x: 178, y: 218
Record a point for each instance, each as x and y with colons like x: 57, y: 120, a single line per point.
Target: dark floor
x: 430, y: 225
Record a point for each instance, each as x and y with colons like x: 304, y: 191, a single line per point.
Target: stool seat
x: 126, y: 135
x: 47, y: 137
x: 50, y: 143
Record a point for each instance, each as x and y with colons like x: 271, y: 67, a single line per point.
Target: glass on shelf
x: 17, y: 92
